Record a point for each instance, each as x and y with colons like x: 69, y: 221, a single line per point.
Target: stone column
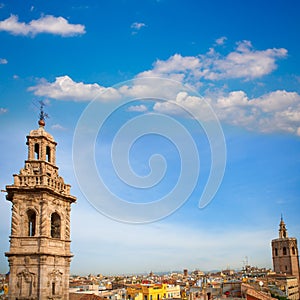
x: 15, y: 219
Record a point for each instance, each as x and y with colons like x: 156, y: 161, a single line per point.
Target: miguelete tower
x: 285, y: 253
x: 39, y: 256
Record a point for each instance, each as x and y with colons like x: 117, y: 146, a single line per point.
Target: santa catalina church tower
x: 39, y: 256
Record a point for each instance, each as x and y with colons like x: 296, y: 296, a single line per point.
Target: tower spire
x: 282, y: 229
x: 42, y: 115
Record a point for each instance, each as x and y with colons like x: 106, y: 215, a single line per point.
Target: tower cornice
x: 12, y: 190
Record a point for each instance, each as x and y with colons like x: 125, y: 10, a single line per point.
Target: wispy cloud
x: 46, y: 24
x: 221, y: 41
x: 244, y: 62
x: 3, y: 61
x: 183, y: 247
x: 136, y: 26
x: 271, y: 112
x: 58, y: 127
x: 3, y: 110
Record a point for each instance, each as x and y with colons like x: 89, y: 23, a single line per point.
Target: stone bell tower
x: 285, y: 253
x: 39, y: 256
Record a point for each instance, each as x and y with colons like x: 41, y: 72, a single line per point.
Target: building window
x: 145, y: 297
x: 37, y: 151
x: 276, y: 252
x: 284, y: 250
x: 55, y: 225
x: 53, y: 288
x: 286, y: 268
x: 48, y: 154
x: 293, y: 250
x: 31, y: 215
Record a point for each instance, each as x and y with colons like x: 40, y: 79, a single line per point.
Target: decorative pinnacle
x: 43, y: 115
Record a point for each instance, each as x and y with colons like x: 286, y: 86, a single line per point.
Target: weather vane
x: 43, y: 115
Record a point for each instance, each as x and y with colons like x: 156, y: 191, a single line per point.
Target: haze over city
x: 241, y: 57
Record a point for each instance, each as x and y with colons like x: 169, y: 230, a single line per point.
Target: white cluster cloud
x: 64, y: 88
x: 274, y: 111
x: 177, y: 67
x: 244, y: 62
x: 138, y: 108
x: 3, y: 61
x: 45, y: 24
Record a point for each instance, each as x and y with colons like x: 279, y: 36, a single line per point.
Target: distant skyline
x: 241, y: 57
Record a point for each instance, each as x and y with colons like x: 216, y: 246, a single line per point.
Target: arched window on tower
x: 293, y: 250
x: 53, y: 288
x: 48, y: 154
x: 55, y: 225
x: 31, y: 216
x: 284, y: 250
x: 276, y: 251
x: 37, y: 151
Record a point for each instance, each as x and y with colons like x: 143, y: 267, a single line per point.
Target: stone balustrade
x: 42, y: 180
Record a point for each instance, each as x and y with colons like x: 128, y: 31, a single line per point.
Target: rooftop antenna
x: 245, y: 262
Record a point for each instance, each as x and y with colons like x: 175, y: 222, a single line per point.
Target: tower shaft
x: 285, y: 254
x: 39, y: 255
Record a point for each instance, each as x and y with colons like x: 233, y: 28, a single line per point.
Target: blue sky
x: 241, y: 57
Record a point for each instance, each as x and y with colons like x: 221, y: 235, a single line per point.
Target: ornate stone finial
x: 43, y: 115
x: 281, y: 224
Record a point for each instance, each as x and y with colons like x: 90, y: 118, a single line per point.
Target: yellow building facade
x: 146, y: 292
x: 152, y: 291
